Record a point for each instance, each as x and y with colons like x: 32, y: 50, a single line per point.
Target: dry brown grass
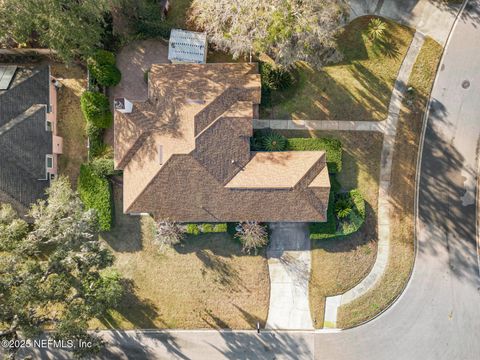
x: 71, y: 124
x: 339, y: 264
x: 357, y: 88
x: 403, y: 192
x: 206, y: 282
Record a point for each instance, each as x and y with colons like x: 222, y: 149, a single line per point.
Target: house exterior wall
x: 57, y: 141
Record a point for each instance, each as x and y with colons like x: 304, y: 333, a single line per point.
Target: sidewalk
x: 384, y: 207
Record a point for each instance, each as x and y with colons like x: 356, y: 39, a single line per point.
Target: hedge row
x: 103, y: 69
x: 332, y: 147
x: 335, y: 228
x: 197, y: 229
x: 96, y: 109
x: 96, y: 193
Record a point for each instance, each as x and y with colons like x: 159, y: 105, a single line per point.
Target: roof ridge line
x: 219, y: 117
x: 20, y: 118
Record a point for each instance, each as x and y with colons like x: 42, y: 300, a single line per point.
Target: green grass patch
x: 96, y: 193
x: 332, y: 147
x: 357, y: 88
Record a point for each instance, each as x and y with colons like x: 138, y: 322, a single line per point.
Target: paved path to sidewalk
x: 289, y: 263
x: 431, y: 17
x: 384, y: 206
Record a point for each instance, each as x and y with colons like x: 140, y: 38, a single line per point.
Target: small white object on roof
x: 6, y: 75
x: 187, y: 47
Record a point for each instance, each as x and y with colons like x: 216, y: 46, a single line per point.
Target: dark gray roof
x: 25, y: 142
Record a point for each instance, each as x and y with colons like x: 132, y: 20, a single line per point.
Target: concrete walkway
x: 384, y: 207
x: 289, y: 263
x: 431, y: 17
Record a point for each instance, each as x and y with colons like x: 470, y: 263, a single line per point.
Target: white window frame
x: 46, y: 161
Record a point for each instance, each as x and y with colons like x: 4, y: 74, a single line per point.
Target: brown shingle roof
x: 186, y: 154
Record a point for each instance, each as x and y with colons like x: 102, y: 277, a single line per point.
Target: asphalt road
x: 438, y: 316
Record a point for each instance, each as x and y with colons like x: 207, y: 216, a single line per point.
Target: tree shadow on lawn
x: 138, y: 312
x: 126, y: 233
x: 213, y: 250
x: 317, y: 95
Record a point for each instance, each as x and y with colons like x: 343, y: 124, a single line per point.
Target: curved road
x: 438, y: 316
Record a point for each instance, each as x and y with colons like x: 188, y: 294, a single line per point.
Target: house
x: 185, y: 152
x: 187, y: 47
x: 29, y: 144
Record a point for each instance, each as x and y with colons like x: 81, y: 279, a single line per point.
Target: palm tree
x: 377, y: 29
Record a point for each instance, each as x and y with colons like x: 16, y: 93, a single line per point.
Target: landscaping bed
x: 204, y: 282
x: 357, y: 88
x: 403, y: 190
x: 338, y: 264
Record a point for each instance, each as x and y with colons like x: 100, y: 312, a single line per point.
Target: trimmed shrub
x: 220, y: 228
x: 96, y: 109
x: 274, y: 142
x: 103, y: 167
x: 343, y: 226
x: 95, y: 140
x: 102, y: 67
x: 192, y: 229
x: 205, y: 228
x: 332, y: 147
x: 96, y: 193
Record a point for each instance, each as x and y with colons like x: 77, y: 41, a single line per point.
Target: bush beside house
x: 96, y: 109
x: 96, y: 193
x: 341, y: 226
x: 205, y: 228
x: 103, y: 69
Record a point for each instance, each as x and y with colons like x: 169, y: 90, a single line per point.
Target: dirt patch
x: 71, y: 123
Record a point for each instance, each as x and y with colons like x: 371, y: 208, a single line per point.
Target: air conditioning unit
x: 51, y: 176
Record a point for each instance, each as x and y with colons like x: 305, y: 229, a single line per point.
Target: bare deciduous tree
x: 168, y: 233
x: 252, y: 235
x: 286, y: 30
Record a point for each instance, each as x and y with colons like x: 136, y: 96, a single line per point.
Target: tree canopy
x: 287, y: 30
x: 70, y: 27
x: 54, y: 273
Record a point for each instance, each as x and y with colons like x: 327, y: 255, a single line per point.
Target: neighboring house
x: 29, y: 145
x: 185, y: 152
x: 187, y: 47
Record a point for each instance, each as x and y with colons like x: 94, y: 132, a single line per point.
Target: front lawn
x: 357, y: 88
x: 338, y: 264
x: 206, y: 282
x: 402, y: 236
x: 71, y: 124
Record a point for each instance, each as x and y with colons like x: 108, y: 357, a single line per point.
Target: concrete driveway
x: 289, y: 263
